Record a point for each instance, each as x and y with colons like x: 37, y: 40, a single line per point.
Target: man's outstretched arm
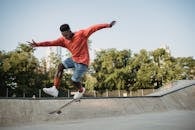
x: 57, y: 42
x: 97, y: 27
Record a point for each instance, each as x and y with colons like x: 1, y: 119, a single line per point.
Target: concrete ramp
x: 21, y: 111
x: 173, y: 87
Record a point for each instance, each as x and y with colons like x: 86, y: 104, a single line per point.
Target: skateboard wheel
x: 59, y: 112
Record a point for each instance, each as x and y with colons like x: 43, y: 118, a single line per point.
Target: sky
x: 141, y: 24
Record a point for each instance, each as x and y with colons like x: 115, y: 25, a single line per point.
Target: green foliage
x: 112, y: 69
x: 19, y: 69
x: 22, y: 73
x: 119, y: 70
x: 109, y: 69
x: 90, y: 82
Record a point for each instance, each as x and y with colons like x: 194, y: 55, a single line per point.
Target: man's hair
x: 64, y: 27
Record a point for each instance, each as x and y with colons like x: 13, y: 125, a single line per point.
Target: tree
x: 21, y: 72
x: 139, y: 72
x: 20, y: 67
x: 3, y: 74
x: 161, y: 59
x: 187, y: 64
x: 109, y: 69
x: 90, y: 82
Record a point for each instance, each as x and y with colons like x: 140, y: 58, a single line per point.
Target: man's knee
x: 76, y: 84
x: 61, y: 67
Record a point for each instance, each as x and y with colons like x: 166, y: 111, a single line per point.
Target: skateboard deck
x: 58, y: 111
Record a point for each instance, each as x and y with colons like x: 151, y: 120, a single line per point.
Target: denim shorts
x: 79, y: 69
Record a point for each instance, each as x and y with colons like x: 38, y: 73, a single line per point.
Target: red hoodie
x: 78, y: 44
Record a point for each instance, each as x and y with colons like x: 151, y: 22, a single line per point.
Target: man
x: 76, y: 43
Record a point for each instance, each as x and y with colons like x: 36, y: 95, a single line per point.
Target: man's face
x: 67, y: 34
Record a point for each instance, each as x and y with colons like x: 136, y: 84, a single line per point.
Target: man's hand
x: 33, y: 43
x: 112, y: 23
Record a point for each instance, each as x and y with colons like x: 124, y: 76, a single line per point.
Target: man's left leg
x: 80, y: 70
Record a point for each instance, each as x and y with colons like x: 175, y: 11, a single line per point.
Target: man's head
x: 66, y: 32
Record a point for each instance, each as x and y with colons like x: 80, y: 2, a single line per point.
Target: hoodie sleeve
x: 94, y: 28
x: 57, y: 42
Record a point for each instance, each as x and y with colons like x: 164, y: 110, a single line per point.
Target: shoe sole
x: 49, y: 93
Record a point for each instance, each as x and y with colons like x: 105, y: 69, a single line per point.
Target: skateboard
x: 58, y: 111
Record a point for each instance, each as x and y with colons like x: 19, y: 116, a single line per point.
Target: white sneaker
x: 78, y: 94
x: 51, y: 91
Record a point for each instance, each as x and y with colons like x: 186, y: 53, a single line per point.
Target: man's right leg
x: 58, y: 75
x: 68, y: 63
x: 53, y: 91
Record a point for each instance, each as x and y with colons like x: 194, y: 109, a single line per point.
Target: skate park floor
x: 171, y: 109
x: 171, y: 120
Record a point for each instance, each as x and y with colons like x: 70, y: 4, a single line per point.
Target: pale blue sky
x: 141, y: 24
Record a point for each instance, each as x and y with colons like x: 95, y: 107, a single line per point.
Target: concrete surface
x: 171, y: 120
x: 174, y: 86
x: 177, y: 107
